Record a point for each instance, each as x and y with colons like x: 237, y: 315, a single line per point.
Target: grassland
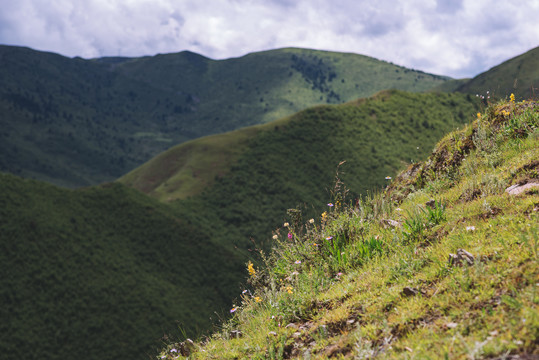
x: 442, y: 264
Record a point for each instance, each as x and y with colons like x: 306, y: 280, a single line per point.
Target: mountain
x: 442, y: 264
x: 519, y: 75
x: 103, y: 272
x: 75, y: 122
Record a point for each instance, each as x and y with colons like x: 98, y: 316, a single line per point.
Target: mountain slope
x: 519, y: 75
x: 291, y: 162
x: 444, y: 264
x: 76, y: 122
x: 102, y: 272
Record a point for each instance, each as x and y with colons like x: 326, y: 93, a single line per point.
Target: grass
x: 371, y: 287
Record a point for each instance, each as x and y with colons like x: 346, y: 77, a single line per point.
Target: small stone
x: 451, y: 325
x: 409, y: 291
x: 236, y: 334
x: 462, y: 257
x: 187, y: 347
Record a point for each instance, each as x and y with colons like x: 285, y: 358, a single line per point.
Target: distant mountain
x: 76, y: 122
x: 103, y: 272
x: 519, y: 75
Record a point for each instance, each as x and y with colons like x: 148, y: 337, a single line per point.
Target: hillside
x: 375, y: 135
x: 519, y: 75
x: 102, y: 272
x: 442, y: 264
x: 281, y: 165
x: 76, y: 122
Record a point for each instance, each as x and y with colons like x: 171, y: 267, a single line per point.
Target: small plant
x: 436, y: 214
x: 414, y: 225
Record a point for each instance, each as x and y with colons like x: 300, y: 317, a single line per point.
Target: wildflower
x: 275, y: 237
x: 388, y: 177
x: 173, y: 350
x: 244, y: 291
x: 297, y: 262
x: 294, y: 273
x: 258, y: 299
x: 479, y: 115
x: 470, y: 228
x: 329, y: 237
x: 324, y: 214
x: 311, y: 221
x: 290, y: 236
x: 512, y: 98
x: 398, y: 209
x: 330, y: 205
x: 233, y: 310
x: 251, y: 269
x: 289, y: 289
x: 315, y: 244
x: 286, y: 224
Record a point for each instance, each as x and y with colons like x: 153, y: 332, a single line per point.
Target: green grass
x: 352, y: 284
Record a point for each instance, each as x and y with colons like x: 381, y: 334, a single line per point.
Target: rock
x: 390, y: 223
x: 292, y: 325
x: 187, y: 347
x: 409, y: 291
x: 236, y: 334
x: 462, y: 257
x: 519, y: 189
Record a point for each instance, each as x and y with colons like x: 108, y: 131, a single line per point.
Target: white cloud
x: 457, y: 38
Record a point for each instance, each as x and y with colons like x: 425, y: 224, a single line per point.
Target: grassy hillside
x: 102, y: 272
x: 519, y: 75
x: 76, y: 122
x: 375, y: 135
x: 443, y: 264
x: 291, y: 162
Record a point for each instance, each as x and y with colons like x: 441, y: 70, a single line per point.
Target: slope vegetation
x: 443, y: 264
x: 102, y: 272
x: 76, y: 122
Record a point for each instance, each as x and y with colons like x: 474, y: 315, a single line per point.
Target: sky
x: 457, y: 38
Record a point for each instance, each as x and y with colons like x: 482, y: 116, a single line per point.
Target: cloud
x: 456, y: 38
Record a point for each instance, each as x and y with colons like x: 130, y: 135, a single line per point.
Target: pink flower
x: 290, y: 235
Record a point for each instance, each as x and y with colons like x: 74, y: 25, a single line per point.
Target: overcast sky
x: 458, y: 38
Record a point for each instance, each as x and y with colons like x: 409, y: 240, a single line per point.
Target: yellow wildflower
x: 251, y: 269
x: 512, y: 98
x: 258, y: 299
x: 286, y: 224
x: 324, y: 214
x: 289, y: 289
x: 479, y: 115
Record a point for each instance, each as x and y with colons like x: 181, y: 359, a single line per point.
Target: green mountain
x: 75, y: 122
x: 519, y: 75
x: 103, y: 272
x: 442, y: 265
